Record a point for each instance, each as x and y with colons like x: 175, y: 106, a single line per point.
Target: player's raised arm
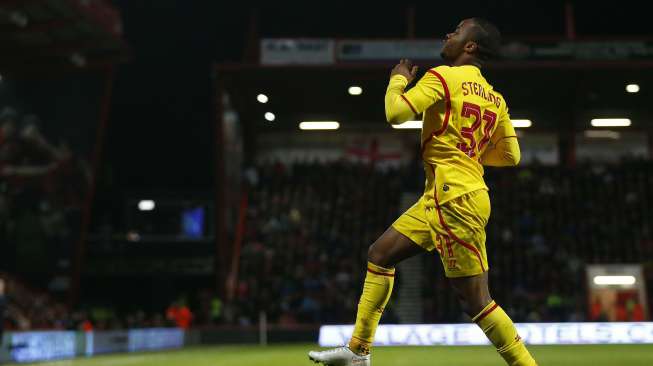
x: 503, y: 149
x: 401, y: 107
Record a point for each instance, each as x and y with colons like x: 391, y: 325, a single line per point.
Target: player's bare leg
x: 474, y: 296
x: 473, y: 292
x: 389, y: 249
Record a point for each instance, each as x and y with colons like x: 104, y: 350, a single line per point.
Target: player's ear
x: 470, y: 47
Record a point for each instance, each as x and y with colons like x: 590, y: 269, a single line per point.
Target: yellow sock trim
x: 486, y: 310
x: 373, y: 267
x: 500, y: 330
x: 376, y: 293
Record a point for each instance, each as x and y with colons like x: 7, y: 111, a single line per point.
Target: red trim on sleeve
x: 447, y: 111
x: 447, y: 101
x: 408, y: 102
x: 426, y: 142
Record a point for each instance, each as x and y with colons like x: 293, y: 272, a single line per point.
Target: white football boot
x: 341, y: 356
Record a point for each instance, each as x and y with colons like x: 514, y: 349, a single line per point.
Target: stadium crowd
x: 547, y: 223
x: 309, y: 227
x: 28, y: 308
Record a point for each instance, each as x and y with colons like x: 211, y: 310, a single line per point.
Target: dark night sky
x: 161, y: 131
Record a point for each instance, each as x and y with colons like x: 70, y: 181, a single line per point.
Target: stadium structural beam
x: 410, y: 22
x: 17, y: 3
x: 12, y: 30
x: 78, y: 255
x: 567, y: 137
x: 252, y: 38
x: 221, y: 253
x: 570, y: 24
x: 62, y: 47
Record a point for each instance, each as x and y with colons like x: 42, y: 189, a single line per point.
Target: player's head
x: 474, y: 38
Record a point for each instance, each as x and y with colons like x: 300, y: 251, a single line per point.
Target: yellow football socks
x: 376, y: 293
x: 500, y: 330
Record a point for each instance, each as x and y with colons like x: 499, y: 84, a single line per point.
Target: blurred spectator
x: 636, y: 311
x: 216, y: 310
x: 179, y: 314
x: 87, y: 326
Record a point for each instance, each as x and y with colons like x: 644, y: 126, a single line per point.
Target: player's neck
x: 465, y: 60
x: 475, y: 64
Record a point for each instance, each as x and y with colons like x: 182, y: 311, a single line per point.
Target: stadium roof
x: 46, y: 35
x: 561, y: 98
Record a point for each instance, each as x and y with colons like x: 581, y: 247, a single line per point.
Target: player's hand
x: 406, y: 68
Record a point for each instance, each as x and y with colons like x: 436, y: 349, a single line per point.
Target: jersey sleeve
x: 503, y: 149
x: 401, y: 106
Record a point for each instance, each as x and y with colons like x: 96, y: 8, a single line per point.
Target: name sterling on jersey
x: 476, y: 88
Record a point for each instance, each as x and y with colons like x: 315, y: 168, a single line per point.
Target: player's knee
x: 473, y: 304
x: 473, y: 293
x: 377, y: 256
x: 467, y: 306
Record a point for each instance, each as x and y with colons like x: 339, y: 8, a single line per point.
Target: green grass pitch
x: 295, y: 355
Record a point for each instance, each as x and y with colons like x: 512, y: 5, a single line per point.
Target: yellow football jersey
x: 465, y: 125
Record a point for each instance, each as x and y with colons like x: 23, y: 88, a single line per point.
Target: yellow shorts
x: 456, y: 229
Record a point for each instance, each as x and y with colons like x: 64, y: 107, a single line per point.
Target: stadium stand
x: 42, y: 187
x: 298, y: 250
x: 307, y: 232
x: 545, y: 227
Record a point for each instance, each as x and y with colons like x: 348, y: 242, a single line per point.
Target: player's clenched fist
x: 405, y: 67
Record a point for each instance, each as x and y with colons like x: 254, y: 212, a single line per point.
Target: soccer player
x: 465, y: 125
